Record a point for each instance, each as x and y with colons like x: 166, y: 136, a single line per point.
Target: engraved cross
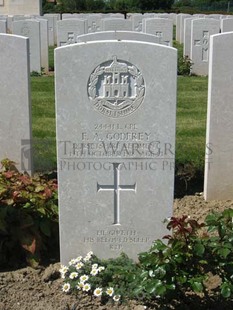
x: 116, y: 188
x: 204, y: 43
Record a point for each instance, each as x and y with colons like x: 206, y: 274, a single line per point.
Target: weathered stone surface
x: 115, y: 142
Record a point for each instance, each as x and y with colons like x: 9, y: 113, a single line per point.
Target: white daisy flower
x: 98, y: 292
x: 110, y: 291
x: 63, y: 269
x: 79, y: 265
x: 90, y: 253
x: 87, y: 258
x: 116, y: 297
x: 86, y: 287
x: 78, y: 259
x: 73, y: 275
x: 84, y: 278
x: 72, y: 262
x: 101, y: 268
x: 66, y: 287
x: 80, y: 285
x: 94, y: 272
x: 63, y: 275
x: 94, y: 266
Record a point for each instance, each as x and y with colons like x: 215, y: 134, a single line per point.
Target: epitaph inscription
x: 116, y: 88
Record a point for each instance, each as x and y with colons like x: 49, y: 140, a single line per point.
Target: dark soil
x: 40, y: 289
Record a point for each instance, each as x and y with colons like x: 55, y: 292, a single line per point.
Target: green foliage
x: 184, y: 63
x: 184, y: 66
x: 110, y: 5
x: 35, y: 73
x: 28, y: 216
x: 193, y: 254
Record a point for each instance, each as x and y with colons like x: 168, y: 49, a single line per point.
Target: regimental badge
x: 116, y: 88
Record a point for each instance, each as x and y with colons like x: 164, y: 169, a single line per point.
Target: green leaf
x: 161, y: 289
x: 199, y: 249
x: 224, y: 252
x: 197, y: 286
x: 45, y: 228
x: 42, y: 211
x: 151, y: 287
x: 225, y: 290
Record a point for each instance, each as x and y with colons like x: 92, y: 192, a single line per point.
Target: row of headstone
x: 195, y: 32
x: 69, y: 29
x: 116, y: 165
x: 37, y: 32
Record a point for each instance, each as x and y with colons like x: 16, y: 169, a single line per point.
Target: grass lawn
x: 190, y: 131
x: 191, y: 120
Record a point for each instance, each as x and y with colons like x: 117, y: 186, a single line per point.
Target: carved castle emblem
x: 116, y: 88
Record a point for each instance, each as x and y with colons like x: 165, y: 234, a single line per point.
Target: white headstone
x: 162, y: 28
x: 21, y: 7
x: 2, y: 26
x: 137, y: 22
x: 94, y: 23
x: 180, y: 25
x: 219, y: 138
x: 44, y: 44
x: 187, y: 37
x: 115, y: 141
x: 201, y: 30
x: 226, y: 24
x: 15, y: 104
x: 108, y: 24
x: 69, y: 29
x: 31, y: 30
x: 52, y: 24
x: 118, y: 35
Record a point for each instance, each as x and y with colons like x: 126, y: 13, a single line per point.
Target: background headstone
x: 31, y: 30
x: 15, y: 105
x: 226, y: 24
x: 201, y: 30
x: 2, y: 26
x: 44, y: 44
x: 187, y: 37
x: 108, y: 24
x: 17, y: 7
x: 118, y: 35
x: 162, y: 28
x: 69, y: 29
x: 219, y: 138
x: 115, y: 140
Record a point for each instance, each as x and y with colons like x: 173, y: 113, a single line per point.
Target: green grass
x: 191, y: 120
x: 190, y: 131
x: 43, y: 122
